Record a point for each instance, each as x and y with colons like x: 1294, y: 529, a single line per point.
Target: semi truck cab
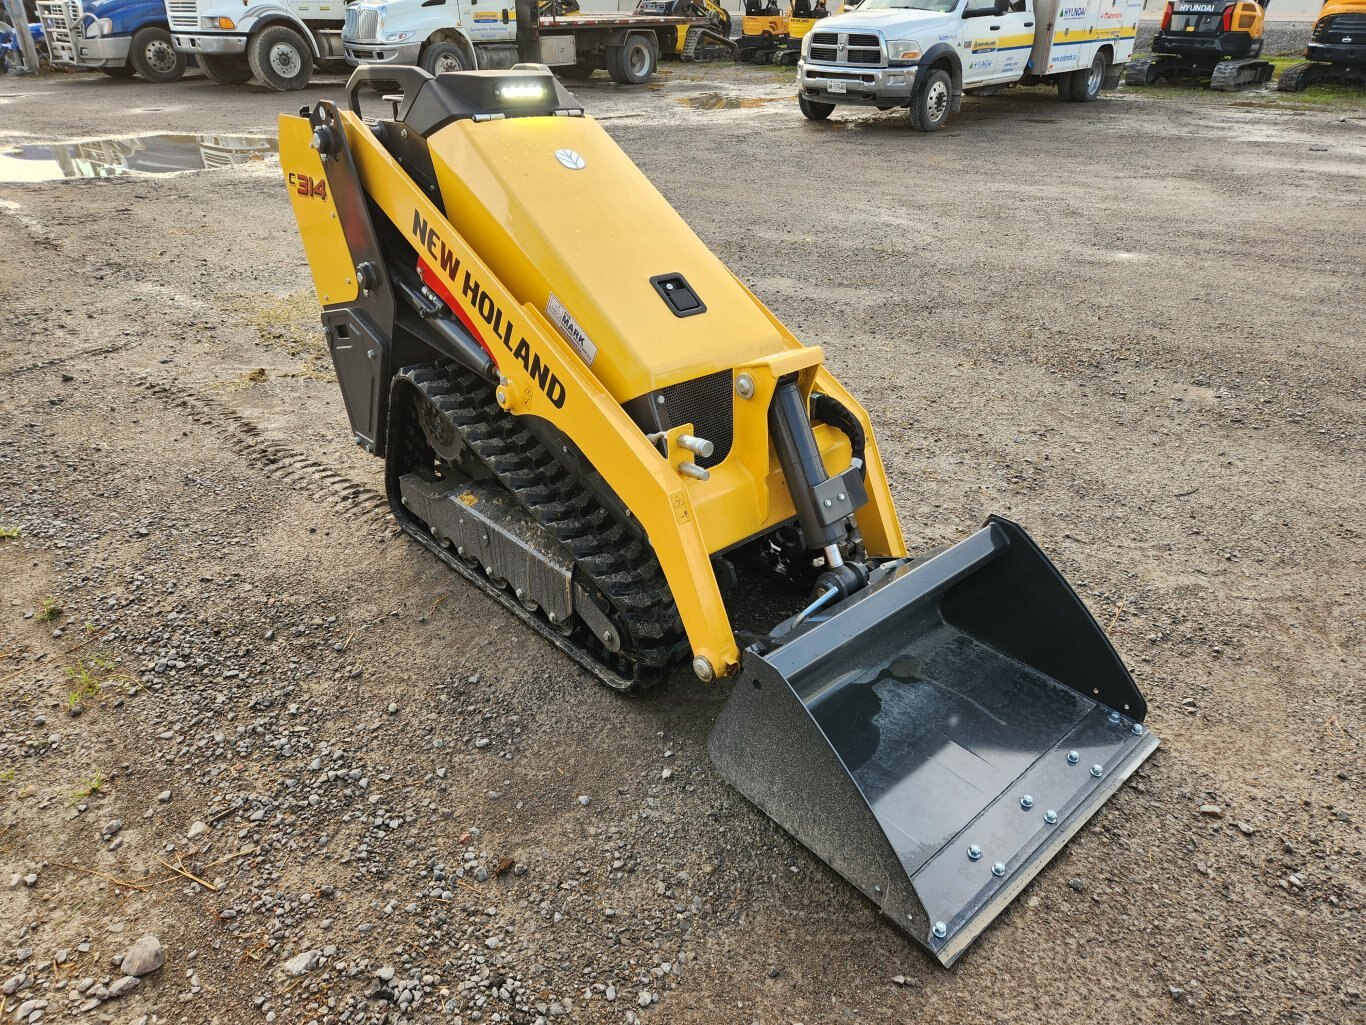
x: 278, y: 42
x: 117, y: 37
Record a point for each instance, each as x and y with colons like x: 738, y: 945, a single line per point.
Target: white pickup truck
x: 925, y: 54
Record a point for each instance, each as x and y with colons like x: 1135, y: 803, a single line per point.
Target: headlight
x: 806, y: 46
x: 102, y: 27
x: 907, y: 50
x: 521, y: 91
x: 397, y: 37
x: 218, y: 24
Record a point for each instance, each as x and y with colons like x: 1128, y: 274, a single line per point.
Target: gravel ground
x: 240, y: 716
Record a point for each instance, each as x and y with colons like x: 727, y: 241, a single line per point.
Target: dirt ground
x: 1136, y: 327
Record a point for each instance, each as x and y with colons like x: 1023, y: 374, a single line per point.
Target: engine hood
x: 888, y: 22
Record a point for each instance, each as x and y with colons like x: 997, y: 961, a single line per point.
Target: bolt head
x: 1114, y: 718
x: 1050, y: 816
x: 974, y: 852
x: 1026, y: 802
x: 1073, y: 758
x: 702, y: 667
x: 998, y: 869
x: 940, y: 930
x: 1137, y: 729
x: 1097, y: 771
x: 744, y: 386
x: 502, y: 396
x: 519, y: 592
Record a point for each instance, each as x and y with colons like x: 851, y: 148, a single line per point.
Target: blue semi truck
x: 120, y: 38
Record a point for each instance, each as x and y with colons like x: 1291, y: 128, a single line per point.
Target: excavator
x: 694, y: 42
x: 1218, y: 40
x: 1336, y: 50
x: 583, y: 413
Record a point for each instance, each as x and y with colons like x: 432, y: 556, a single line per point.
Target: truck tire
x: 225, y: 70
x: 280, y: 58
x: 1085, y: 85
x: 634, y: 61
x: 932, y: 101
x: 153, y: 56
x: 440, y: 58
x: 815, y: 110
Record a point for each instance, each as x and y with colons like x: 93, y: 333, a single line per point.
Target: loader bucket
x: 939, y: 736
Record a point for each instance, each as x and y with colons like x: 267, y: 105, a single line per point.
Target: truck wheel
x: 280, y: 58
x: 1085, y: 85
x: 439, y: 58
x: 125, y: 71
x: 634, y: 61
x: 153, y: 56
x: 815, y: 110
x: 930, y: 106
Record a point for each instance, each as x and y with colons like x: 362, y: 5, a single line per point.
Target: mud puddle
x: 145, y: 154
x: 728, y: 101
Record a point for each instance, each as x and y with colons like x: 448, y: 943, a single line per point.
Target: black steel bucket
x: 940, y: 736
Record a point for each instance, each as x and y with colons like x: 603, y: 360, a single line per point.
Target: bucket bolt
x: 1050, y: 816
x: 940, y: 930
x: 1114, y: 719
x: 998, y: 869
x: 1137, y: 729
x: 974, y: 852
x: 1097, y: 771
x: 1026, y: 802
x: 702, y: 667
x: 697, y: 446
x: 744, y: 386
x: 1073, y: 758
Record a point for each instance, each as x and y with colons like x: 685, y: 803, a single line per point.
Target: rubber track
x: 622, y: 567
x: 321, y: 483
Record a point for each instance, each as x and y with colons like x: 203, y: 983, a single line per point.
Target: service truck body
x: 462, y: 35
x: 886, y: 53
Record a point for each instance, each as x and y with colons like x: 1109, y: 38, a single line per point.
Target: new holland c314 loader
x: 584, y: 413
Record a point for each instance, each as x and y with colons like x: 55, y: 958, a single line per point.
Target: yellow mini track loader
x: 584, y: 413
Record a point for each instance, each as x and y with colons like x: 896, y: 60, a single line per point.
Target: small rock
x: 645, y: 997
x: 143, y: 957
x: 121, y: 986
x: 585, y: 800
x: 1246, y: 828
x: 1213, y: 810
x: 491, y: 943
x: 112, y: 828
x: 1077, y: 884
x: 384, y: 974
x: 13, y: 984
x: 611, y: 993
x: 196, y: 830
x: 302, y: 963
x: 1176, y: 991
x: 164, y: 797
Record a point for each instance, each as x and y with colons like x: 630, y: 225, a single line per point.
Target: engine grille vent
x: 706, y: 403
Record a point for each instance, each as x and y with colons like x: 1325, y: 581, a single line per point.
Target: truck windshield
x: 942, y: 6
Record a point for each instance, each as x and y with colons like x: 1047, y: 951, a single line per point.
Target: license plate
x: 837, y: 87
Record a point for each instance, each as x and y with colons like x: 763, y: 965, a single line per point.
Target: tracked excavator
x: 582, y: 412
x: 1217, y: 40
x: 1336, y: 51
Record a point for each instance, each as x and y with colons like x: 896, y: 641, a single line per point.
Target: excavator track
x: 705, y: 43
x: 1234, y: 74
x: 1141, y: 71
x: 618, y: 567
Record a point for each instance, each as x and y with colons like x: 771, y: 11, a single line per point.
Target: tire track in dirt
x: 322, y: 484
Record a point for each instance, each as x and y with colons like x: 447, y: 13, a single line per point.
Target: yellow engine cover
x: 554, y: 199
